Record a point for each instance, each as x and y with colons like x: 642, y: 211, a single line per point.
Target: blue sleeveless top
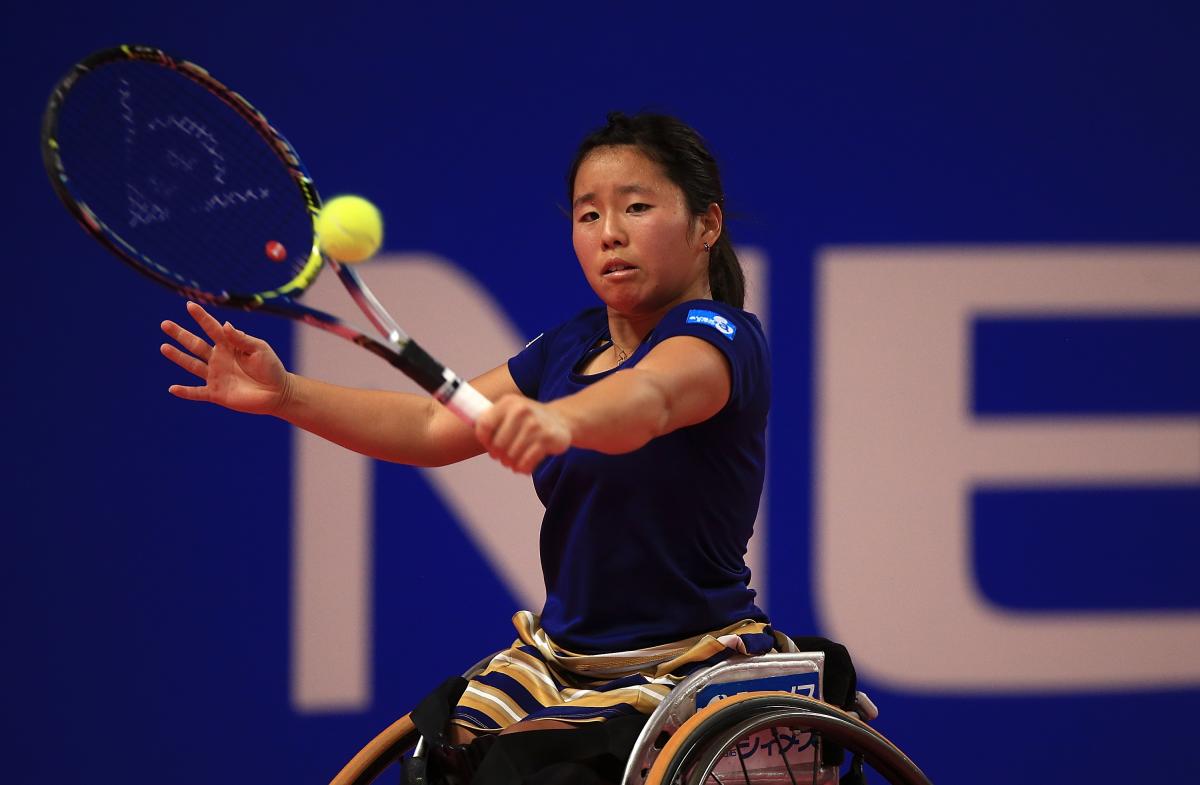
x: 649, y: 546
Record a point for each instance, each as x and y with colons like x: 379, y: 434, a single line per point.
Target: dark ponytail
x: 686, y: 161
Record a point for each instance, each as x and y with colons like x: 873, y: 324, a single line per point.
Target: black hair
x: 686, y: 161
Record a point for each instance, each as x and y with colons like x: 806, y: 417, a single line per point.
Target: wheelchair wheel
x: 757, y: 738
x: 383, y: 750
x: 391, y: 744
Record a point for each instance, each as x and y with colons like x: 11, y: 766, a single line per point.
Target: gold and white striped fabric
x: 536, y: 679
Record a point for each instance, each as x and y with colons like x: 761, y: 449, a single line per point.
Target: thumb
x: 237, y: 337
x: 485, y: 426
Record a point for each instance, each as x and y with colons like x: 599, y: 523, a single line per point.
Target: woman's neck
x: 628, y: 330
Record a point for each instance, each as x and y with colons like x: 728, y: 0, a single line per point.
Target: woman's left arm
x: 681, y: 381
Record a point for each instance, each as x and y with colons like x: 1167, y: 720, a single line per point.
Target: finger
x: 243, y: 341
x: 499, y: 456
x: 501, y: 459
x: 185, y: 361
x: 188, y: 340
x: 210, y: 326
x: 524, y: 442
x: 236, y: 335
x: 512, y: 421
x: 530, y: 459
x: 189, y: 393
x: 504, y: 456
x: 233, y: 339
x: 485, y: 426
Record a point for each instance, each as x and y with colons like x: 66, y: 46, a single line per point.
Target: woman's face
x: 640, y: 247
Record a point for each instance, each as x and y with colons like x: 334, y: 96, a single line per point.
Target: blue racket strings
x: 184, y: 184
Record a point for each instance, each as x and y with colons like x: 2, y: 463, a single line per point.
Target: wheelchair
x: 772, y: 719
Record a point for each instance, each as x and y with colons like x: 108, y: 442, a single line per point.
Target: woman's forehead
x: 618, y: 167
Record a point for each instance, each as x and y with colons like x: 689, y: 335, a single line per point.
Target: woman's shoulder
x: 726, y: 320
x: 738, y: 335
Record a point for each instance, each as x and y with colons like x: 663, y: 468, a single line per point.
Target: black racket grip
x: 419, y: 366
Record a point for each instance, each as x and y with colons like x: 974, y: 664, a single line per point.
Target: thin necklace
x: 619, y: 351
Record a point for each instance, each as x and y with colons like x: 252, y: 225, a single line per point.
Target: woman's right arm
x: 243, y: 373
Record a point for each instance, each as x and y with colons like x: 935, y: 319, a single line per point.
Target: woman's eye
x: 638, y: 207
x: 588, y: 217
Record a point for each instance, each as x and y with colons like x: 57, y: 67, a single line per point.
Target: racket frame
x: 397, y: 347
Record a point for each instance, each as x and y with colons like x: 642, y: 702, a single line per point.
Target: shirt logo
x: 715, y: 320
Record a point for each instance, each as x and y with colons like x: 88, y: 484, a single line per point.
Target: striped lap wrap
x: 535, y: 679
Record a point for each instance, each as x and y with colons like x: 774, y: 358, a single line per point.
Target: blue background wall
x: 145, y: 543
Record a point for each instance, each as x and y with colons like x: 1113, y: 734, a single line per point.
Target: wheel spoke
x: 783, y: 754
x: 742, y: 762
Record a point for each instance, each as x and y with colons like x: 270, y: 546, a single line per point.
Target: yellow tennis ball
x: 350, y: 229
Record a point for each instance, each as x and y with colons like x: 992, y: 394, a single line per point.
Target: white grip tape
x: 468, y: 403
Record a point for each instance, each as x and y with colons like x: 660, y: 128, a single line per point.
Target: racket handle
x: 447, y: 387
x: 467, y: 402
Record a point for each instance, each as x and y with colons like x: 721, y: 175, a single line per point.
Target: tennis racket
x: 184, y: 180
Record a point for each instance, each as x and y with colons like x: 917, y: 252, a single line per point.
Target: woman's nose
x: 613, y: 232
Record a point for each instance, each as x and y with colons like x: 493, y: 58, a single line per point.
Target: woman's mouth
x: 617, y: 268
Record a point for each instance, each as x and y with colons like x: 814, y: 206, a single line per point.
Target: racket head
x: 182, y: 178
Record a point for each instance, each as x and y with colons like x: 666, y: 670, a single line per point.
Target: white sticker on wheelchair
x: 806, y: 684
x: 898, y: 453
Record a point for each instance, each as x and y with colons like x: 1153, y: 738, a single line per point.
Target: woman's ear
x: 711, y: 222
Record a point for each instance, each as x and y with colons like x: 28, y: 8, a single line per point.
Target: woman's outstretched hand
x: 240, y: 372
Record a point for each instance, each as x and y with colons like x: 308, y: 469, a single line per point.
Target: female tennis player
x: 643, y: 424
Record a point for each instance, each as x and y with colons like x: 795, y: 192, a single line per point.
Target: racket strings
x: 181, y: 181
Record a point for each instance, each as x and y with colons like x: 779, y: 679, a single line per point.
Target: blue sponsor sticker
x: 796, y: 683
x: 714, y: 320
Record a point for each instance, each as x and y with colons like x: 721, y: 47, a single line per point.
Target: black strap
x: 840, y: 682
x: 432, y: 714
